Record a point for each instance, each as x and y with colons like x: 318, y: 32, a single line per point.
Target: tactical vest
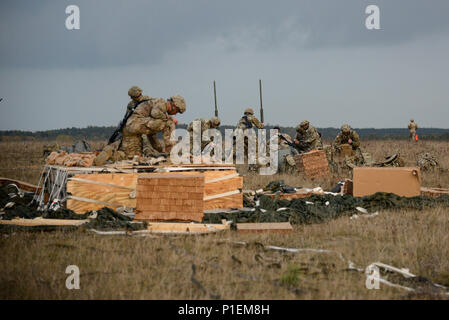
x: 248, y: 124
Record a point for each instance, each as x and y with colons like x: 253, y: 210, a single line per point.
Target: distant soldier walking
x: 412, y: 127
x: 247, y: 124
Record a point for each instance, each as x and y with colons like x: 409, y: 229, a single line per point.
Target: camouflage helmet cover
x: 215, y: 121
x: 345, y: 128
x: 179, y: 102
x: 134, y: 92
x: 304, y: 124
x: 249, y: 111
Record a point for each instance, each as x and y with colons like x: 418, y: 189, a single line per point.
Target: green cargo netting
x: 23, y: 207
x: 322, y: 208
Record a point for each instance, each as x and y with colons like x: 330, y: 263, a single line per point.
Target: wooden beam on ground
x: 281, y: 227
x: 22, y: 185
x: 43, y: 222
x: 185, y: 228
x: 290, y: 196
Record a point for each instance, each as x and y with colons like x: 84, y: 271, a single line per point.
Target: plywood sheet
x: 405, y: 181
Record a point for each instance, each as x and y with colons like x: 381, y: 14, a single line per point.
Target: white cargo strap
x: 221, y: 195
x: 94, y: 201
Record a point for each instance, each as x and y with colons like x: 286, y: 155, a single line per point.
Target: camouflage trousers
x: 132, y: 143
x: 412, y: 135
x: 110, y: 152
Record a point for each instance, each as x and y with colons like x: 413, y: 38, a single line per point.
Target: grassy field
x: 160, y: 267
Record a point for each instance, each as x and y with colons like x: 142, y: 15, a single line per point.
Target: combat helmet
x: 345, y: 128
x: 215, y: 121
x: 134, y: 92
x: 249, y: 111
x: 412, y: 120
x: 179, y: 103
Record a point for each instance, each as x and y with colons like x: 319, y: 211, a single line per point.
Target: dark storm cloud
x: 116, y: 32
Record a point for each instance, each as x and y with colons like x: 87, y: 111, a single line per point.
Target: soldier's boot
x: 106, y: 153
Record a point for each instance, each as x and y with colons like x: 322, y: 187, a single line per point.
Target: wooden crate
x: 313, y: 164
x: 94, y: 191
x: 176, y: 197
x: 90, y: 189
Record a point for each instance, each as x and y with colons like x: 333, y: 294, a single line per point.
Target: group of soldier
x: 146, y: 117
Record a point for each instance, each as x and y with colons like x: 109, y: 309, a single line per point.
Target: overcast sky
x: 316, y: 59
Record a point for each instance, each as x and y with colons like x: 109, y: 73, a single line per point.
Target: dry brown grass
x: 120, y: 267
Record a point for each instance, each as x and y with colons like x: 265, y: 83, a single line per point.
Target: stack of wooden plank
x: 313, y: 164
x: 170, y: 196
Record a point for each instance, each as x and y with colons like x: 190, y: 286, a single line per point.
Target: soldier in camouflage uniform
x: 246, y: 123
x: 307, y: 137
x: 427, y: 162
x: 206, y: 124
x: 412, y: 127
x: 152, y: 146
x: 347, y: 136
x: 286, y: 153
x: 150, y: 117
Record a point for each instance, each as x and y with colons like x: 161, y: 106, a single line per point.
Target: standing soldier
x: 249, y: 120
x: 347, y: 136
x: 412, y: 127
x: 307, y: 137
x: 247, y: 123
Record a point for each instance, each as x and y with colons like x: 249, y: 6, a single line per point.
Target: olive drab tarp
x: 15, y: 203
x: 322, y: 208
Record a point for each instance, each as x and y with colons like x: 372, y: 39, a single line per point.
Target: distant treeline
x: 103, y: 133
